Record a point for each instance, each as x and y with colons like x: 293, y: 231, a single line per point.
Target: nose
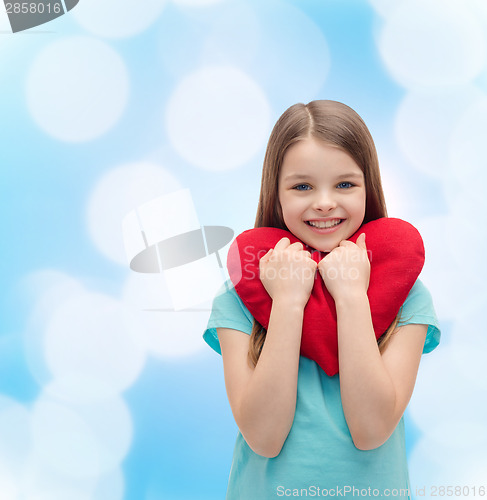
x: 324, y: 201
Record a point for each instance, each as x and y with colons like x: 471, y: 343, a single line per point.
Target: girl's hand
x: 287, y: 272
x: 346, y: 269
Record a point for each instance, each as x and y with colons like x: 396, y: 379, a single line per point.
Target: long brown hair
x: 333, y: 123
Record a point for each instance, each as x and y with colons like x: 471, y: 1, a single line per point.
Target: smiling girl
x: 302, y: 432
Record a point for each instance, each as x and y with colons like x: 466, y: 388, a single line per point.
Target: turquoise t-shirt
x: 318, y: 457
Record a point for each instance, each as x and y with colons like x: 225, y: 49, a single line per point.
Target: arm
x: 263, y: 399
x: 375, y: 388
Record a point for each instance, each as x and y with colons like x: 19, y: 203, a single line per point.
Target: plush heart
x: 396, y: 255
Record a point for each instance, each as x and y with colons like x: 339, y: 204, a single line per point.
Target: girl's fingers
x: 298, y: 245
x: 266, y: 256
x: 285, y: 244
x: 282, y: 244
x: 361, y: 242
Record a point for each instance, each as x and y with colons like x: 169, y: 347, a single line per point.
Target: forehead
x: 313, y: 157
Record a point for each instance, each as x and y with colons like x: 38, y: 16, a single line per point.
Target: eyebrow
x: 301, y: 177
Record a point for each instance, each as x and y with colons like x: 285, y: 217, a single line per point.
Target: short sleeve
x: 228, y: 311
x: 418, y: 309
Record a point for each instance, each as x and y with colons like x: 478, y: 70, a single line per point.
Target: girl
x: 303, y: 433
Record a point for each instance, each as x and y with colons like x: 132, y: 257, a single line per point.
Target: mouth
x: 324, y: 224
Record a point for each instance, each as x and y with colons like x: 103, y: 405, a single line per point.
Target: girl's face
x: 322, y: 194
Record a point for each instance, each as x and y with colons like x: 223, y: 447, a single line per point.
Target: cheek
x: 287, y: 215
x: 287, y: 206
x: 283, y: 208
x: 359, y: 205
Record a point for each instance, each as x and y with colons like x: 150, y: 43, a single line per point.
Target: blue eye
x: 344, y: 185
x: 302, y: 187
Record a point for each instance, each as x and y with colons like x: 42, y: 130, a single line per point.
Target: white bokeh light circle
x: 469, y: 351
x: 81, y: 441
x: 443, y: 273
x: 470, y: 358
x: 425, y: 122
x: 446, y: 456
x: 111, y: 422
x: 8, y: 484
x: 172, y: 334
x: 163, y: 332
x: 118, y: 192
x: 47, y: 286
x: 15, y: 439
x: 77, y: 88
x: 86, y: 336
x: 218, y: 118
x: 467, y: 434
x: 442, y: 389
x: 48, y: 289
x: 115, y: 19
x: 467, y: 149
x: 4, y: 22
x: 197, y: 3
x: 59, y: 493
x: 42, y: 481
x: 111, y: 486
x: 475, y: 476
x: 78, y: 389
x: 15, y: 445
x: 64, y: 441
x: 12, y: 47
x: 432, y: 42
x: 471, y: 321
x: 192, y: 39
x: 146, y: 291
x: 235, y: 22
x: 398, y: 184
x: 478, y: 9
x: 292, y: 63
x: 466, y: 235
x: 385, y: 7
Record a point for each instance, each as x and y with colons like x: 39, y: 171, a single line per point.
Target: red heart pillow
x: 396, y: 255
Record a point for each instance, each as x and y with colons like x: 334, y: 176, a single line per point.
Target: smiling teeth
x: 324, y: 224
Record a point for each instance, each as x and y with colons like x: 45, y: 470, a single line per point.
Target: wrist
x: 351, y: 298
x: 286, y: 302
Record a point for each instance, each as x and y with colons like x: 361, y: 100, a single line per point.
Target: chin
x: 324, y: 248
